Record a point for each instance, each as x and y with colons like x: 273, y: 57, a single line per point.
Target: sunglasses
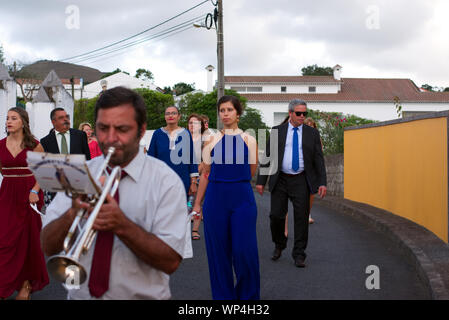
x: 298, y: 113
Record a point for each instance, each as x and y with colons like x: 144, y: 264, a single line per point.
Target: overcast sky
x: 369, y: 39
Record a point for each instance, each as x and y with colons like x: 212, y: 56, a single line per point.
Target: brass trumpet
x: 80, y: 238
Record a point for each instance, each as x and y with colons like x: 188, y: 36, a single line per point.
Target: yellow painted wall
x: 401, y: 168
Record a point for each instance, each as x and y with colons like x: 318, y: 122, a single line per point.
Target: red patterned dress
x: 21, y: 256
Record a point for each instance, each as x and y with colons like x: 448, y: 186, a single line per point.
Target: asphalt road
x: 339, y: 252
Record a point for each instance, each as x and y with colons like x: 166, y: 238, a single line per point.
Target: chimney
x: 210, y: 85
x: 104, y: 85
x: 337, y: 72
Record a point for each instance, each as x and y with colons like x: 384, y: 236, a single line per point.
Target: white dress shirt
x: 287, y: 161
x: 59, y: 138
x: 152, y: 196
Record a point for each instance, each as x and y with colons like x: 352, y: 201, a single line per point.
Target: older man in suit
x: 300, y: 171
x: 63, y: 139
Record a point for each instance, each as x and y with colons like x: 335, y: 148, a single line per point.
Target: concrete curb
x: 427, y: 252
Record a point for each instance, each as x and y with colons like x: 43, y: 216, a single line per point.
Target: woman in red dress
x: 22, y: 263
x: 94, y: 148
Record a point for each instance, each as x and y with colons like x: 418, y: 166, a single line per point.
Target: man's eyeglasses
x: 298, y: 113
x: 174, y: 113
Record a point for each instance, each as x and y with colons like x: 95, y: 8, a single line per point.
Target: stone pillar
x: 51, y: 95
x: 8, y: 95
x: 335, y: 174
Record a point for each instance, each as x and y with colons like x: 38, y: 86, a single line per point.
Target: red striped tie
x: 101, y: 261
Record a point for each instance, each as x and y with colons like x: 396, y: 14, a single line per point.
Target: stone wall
x: 335, y: 174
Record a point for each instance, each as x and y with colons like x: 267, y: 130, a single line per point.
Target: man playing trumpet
x: 139, y: 240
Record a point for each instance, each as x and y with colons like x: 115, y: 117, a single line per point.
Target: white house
x: 118, y: 79
x: 364, y: 97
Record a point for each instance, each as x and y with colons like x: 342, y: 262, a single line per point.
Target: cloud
x: 368, y: 38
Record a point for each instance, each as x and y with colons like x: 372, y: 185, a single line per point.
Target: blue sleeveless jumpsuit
x: 229, y: 216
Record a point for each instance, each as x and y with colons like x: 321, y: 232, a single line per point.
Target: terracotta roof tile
x: 280, y: 79
x: 361, y: 90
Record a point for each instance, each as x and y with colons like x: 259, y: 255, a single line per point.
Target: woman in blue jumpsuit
x: 229, y: 209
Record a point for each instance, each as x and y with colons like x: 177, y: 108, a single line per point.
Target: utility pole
x: 72, y: 82
x: 220, y: 58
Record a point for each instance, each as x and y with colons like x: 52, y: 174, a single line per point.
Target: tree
x: 207, y: 104
x: 430, y: 88
x: 427, y: 87
x: 168, y: 90
x: 199, y: 103
x: 331, y: 127
x: 398, y: 106
x: 84, y: 111
x: 314, y: 70
x: 156, y: 103
x: 251, y: 119
x: 113, y: 72
x: 144, y: 74
x: 2, y: 55
x: 27, y: 81
x: 183, y: 88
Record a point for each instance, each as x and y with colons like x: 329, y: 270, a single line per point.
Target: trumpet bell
x: 66, y: 270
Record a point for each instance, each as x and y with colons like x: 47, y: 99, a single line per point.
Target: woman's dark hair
x: 311, y: 121
x: 195, y: 115
x: 235, y: 102
x: 120, y: 95
x: 285, y: 120
x: 29, y: 141
x: 177, y: 109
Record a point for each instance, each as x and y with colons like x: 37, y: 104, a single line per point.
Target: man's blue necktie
x: 295, y: 153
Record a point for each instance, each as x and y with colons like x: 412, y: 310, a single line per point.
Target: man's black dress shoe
x: 299, y: 262
x: 276, y: 254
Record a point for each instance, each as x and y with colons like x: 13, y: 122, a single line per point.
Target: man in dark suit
x: 298, y: 170
x: 63, y: 139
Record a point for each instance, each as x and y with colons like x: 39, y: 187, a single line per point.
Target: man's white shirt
x: 287, y: 161
x: 153, y: 197
x: 59, y: 138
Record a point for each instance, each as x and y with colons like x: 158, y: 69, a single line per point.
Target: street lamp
x: 217, y: 16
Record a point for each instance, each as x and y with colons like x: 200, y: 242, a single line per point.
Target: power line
x: 137, y: 34
x: 175, y: 28
x: 152, y: 37
x: 117, y: 54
